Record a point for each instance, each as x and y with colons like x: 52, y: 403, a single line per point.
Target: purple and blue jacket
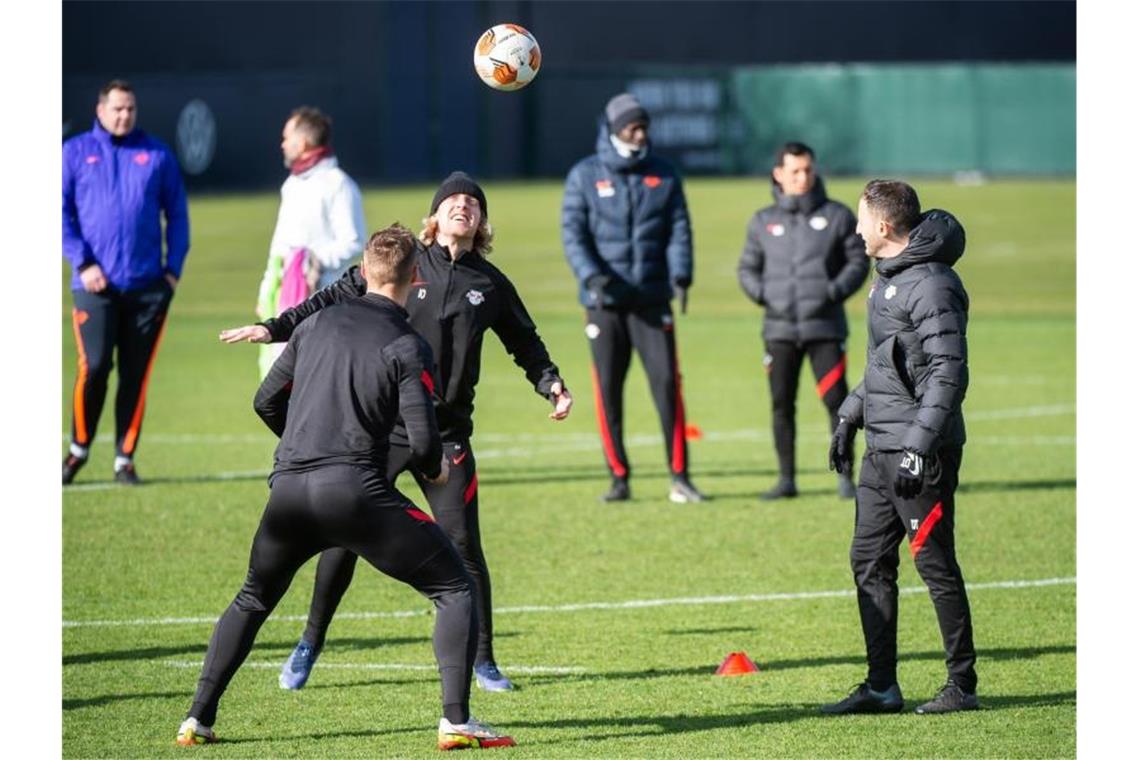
x: 112, y: 194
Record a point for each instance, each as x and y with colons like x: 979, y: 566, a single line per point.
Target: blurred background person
x: 320, y: 223
x: 118, y: 185
x: 802, y: 259
x: 626, y: 236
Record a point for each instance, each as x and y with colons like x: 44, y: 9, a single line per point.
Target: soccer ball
x: 507, y: 57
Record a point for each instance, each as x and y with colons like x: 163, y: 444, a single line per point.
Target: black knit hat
x: 623, y: 110
x: 459, y: 182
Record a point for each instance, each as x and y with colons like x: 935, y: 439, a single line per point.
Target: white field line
x: 571, y: 439
x: 632, y: 604
x: 532, y: 669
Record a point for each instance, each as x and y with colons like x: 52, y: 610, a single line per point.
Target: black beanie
x: 459, y: 182
x: 623, y: 110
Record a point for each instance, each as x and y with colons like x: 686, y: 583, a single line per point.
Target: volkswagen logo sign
x: 196, y: 137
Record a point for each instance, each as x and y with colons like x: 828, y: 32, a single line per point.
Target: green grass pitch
x: 146, y: 570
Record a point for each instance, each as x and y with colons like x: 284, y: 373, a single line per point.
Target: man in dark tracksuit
x: 625, y: 233
x: 458, y: 295
x: 333, y: 397
x: 118, y: 184
x: 801, y: 260
x: 910, y: 405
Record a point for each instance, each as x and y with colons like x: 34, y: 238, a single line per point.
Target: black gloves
x: 841, y: 455
x: 608, y: 292
x: 908, y: 476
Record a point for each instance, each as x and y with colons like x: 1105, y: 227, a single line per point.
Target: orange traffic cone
x: 693, y: 433
x: 737, y: 664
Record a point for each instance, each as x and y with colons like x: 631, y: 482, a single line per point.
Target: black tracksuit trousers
x: 882, y: 519
x: 129, y: 323
x: 355, y: 508
x: 782, y: 361
x: 455, y: 506
x: 614, y: 334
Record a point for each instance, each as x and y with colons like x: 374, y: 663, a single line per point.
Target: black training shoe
x: 784, y: 489
x: 72, y: 465
x: 127, y: 476
x: 846, y: 487
x: 619, y: 491
x: 866, y: 700
x: 950, y: 698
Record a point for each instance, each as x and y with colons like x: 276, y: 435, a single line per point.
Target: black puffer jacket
x: 916, y: 377
x: 801, y: 260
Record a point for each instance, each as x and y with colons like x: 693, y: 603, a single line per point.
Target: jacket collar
x: 103, y: 136
x: 609, y: 155
x: 386, y: 302
x: 801, y: 204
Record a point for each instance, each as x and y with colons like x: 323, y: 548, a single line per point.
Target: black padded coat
x: 916, y: 376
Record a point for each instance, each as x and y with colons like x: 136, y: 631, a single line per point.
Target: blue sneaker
x: 489, y: 678
x: 295, y: 672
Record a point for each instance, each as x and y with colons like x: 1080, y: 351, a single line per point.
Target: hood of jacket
x: 608, y: 153
x: 801, y: 204
x: 938, y: 238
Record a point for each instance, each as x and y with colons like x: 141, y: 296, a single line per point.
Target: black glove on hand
x: 908, y: 476
x: 608, y: 292
x: 841, y: 454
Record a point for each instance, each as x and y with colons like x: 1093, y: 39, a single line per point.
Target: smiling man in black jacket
x: 457, y: 296
x: 910, y: 405
x: 802, y: 259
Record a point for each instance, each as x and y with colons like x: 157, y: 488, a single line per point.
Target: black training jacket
x: 451, y: 305
x: 801, y: 260
x: 916, y: 376
x: 347, y: 375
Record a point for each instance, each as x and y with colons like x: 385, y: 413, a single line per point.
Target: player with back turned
x: 333, y: 397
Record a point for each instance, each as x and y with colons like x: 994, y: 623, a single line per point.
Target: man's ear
x: 778, y: 175
x: 363, y: 269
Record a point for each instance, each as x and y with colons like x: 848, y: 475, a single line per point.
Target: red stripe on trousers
x: 417, y: 514
x: 607, y: 440
x: 679, y: 463
x: 828, y: 381
x: 924, y: 529
x: 469, y: 492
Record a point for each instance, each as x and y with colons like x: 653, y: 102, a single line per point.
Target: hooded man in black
x: 910, y: 405
x: 802, y: 259
x: 457, y: 296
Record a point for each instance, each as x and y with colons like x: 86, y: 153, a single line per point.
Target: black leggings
x: 782, y: 363
x: 456, y: 509
x: 357, y: 509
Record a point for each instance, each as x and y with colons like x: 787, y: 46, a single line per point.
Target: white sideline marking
x: 533, y: 669
x: 571, y: 439
x: 627, y: 605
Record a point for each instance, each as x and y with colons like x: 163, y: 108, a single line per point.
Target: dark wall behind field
x: 397, y: 77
